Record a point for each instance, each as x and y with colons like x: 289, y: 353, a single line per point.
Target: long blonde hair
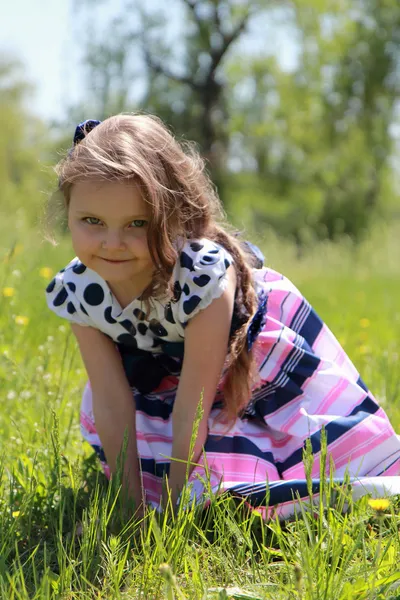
x: 184, y: 205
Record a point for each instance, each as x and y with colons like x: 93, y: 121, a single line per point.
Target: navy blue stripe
x: 305, y: 367
x: 161, y: 408
x: 279, y: 491
x: 100, y: 452
x: 236, y: 445
x: 397, y: 459
x: 153, y: 407
x: 311, y: 328
x: 288, y: 294
x: 266, y: 358
x: 297, y: 315
x: 149, y: 465
x: 362, y: 385
x: 333, y: 431
x: 281, y: 396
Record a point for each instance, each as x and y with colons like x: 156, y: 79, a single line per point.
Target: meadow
x: 62, y: 535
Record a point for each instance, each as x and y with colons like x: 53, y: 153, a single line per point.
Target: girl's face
x: 108, y: 224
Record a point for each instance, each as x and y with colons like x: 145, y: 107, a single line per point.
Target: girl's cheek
x: 139, y: 237
x: 83, y: 237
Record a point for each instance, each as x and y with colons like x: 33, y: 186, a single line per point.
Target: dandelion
x: 364, y: 323
x: 363, y: 349
x: 11, y: 395
x: 16, y: 513
x: 46, y: 272
x: 21, y: 320
x: 8, y: 292
x: 379, y: 504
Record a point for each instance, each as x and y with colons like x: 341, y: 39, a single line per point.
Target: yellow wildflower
x: 21, y: 320
x: 364, y: 323
x: 16, y: 513
x: 379, y: 504
x: 18, y: 249
x: 363, y: 349
x: 46, y: 272
x: 8, y: 292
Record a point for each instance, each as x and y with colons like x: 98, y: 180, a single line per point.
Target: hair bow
x: 84, y: 128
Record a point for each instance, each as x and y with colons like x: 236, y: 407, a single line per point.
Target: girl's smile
x: 116, y: 262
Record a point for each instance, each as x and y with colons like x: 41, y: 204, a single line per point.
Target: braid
x: 241, y: 370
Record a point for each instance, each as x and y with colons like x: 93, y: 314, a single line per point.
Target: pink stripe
x: 147, y: 417
x: 167, y: 384
x: 350, y: 447
x: 325, y: 410
x: 270, y: 275
x: 87, y: 423
x: 333, y: 395
x: 280, y: 341
x: 152, y: 486
x: 394, y: 469
x: 242, y: 468
x: 295, y: 303
x: 319, y: 337
x: 153, y: 438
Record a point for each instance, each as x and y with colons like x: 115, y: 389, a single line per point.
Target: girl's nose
x: 113, y: 240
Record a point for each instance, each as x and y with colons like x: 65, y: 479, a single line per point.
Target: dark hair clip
x: 83, y: 129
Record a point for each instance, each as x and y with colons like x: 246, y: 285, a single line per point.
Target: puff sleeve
x: 200, y: 278
x: 61, y: 298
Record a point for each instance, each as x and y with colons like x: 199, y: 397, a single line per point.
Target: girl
x: 167, y: 307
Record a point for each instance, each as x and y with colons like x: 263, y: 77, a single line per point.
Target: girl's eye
x: 92, y: 220
x: 138, y: 223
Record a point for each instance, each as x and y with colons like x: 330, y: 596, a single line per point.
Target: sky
x: 37, y: 33
x: 40, y: 33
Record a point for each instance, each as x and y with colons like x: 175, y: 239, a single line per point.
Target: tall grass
x: 62, y: 534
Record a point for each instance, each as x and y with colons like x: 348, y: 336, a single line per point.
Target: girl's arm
x: 206, y: 348
x: 113, y: 405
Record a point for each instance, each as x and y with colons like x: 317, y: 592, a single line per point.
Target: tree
x: 184, y: 81
x: 318, y: 138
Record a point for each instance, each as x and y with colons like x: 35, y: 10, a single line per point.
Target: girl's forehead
x: 114, y: 196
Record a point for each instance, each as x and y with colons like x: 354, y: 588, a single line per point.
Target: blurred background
x: 293, y: 103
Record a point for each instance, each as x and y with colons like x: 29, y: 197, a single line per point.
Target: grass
x: 62, y: 534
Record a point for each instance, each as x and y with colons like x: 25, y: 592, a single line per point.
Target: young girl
x: 167, y: 307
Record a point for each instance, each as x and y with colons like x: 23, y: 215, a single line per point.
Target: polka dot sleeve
x: 200, y: 278
x: 61, y: 299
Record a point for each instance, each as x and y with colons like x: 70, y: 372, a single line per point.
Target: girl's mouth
x: 115, y: 261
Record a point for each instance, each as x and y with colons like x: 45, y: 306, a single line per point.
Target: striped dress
x: 306, y: 383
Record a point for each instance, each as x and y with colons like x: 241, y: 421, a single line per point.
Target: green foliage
x: 24, y: 143
x: 315, y: 142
